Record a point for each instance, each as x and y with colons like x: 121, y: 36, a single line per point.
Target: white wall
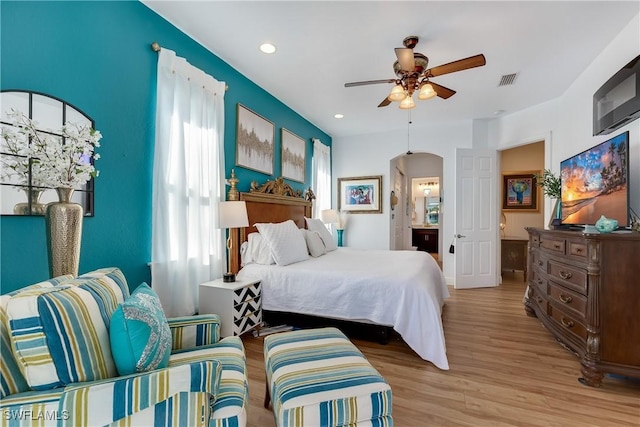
x: 365, y: 155
x: 567, y: 121
x: 565, y: 124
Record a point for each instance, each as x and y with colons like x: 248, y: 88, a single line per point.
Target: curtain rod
x: 155, y: 46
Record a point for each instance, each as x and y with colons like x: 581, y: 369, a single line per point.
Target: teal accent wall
x: 97, y: 56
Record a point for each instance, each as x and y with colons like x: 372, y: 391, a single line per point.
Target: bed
x: 404, y: 290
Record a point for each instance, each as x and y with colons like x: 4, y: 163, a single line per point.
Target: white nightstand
x: 239, y: 304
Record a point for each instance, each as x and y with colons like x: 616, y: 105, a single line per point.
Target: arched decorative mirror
x: 20, y: 191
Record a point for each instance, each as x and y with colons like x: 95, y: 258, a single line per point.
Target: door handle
x: 457, y: 236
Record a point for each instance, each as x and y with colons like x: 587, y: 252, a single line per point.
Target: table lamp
x: 232, y: 215
x: 330, y: 216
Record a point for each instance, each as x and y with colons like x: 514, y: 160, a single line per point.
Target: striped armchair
x: 57, y: 368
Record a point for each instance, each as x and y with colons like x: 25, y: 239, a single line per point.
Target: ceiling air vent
x: 508, y: 79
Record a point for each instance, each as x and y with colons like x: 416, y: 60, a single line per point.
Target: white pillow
x: 286, y: 242
x: 314, y: 243
x: 317, y: 225
x: 256, y: 251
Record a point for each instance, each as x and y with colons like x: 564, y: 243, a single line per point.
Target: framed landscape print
x: 255, y: 137
x: 520, y: 192
x: 293, y: 156
x: 360, y: 194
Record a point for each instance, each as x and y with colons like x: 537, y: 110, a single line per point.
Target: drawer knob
x: 556, y: 245
x: 540, y: 282
x: 579, y: 250
x: 539, y: 300
x: 566, y: 323
x: 565, y: 274
x: 540, y: 263
x: 565, y: 298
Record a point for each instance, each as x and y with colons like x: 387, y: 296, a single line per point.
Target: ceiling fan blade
x: 459, y: 65
x: 405, y: 58
x: 369, y: 82
x: 384, y: 103
x: 443, y: 92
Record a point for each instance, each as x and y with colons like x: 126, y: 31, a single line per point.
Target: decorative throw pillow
x: 314, y: 243
x: 139, y: 333
x: 286, y: 242
x: 59, y: 335
x: 315, y: 224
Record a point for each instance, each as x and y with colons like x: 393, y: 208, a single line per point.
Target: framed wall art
x: 255, y: 137
x: 520, y: 192
x: 360, y: 194
x: 293, y: 156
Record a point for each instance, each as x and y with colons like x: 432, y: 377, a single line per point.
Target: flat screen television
x: 596, y: 182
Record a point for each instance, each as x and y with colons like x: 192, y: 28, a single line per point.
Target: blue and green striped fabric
x: 60, y: 334
x: 318, y: 377
x: 229, y: 409
x: 142, y: 399
x: 194, y: 331
x: 59, y: 337
x: 11, y: 379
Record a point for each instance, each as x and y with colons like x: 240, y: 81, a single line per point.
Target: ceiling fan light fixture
x: 407, y: 103
x: 426, y: 92
x: 397, y: 94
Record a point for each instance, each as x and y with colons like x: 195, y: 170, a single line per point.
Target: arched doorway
x: 404, y: 218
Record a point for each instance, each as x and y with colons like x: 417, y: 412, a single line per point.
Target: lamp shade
x: 329, y: 216
x: 233, y: 214
x: 426, y: 92
x: 407, y: 103
x: 397, y: 93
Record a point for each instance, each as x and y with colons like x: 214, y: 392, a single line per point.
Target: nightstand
x: 239, y: 304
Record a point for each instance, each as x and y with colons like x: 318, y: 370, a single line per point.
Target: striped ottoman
x: 318, y: 378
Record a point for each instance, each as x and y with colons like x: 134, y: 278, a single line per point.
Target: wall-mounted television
x: 596, y: 182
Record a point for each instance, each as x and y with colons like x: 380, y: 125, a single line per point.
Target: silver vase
x: 64, y: 233
x: 33, y: 206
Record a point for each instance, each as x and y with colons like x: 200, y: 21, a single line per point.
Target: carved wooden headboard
x: 274, y: 201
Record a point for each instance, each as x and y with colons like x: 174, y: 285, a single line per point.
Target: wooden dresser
x: 585, y: 289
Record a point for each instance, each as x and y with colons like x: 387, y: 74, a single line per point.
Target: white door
x: 399, y: 186
x: 476, y: 219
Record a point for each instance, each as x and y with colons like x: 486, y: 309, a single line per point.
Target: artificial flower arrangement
x: 59, y: 159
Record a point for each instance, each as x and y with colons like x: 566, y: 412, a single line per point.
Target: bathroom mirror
x: 19, y: 193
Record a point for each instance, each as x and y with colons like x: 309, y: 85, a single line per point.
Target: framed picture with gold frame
x: 293, y: 156
x: 360, y: 194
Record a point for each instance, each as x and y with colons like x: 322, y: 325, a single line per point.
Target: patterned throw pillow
x: 139, y: 333
x: 59, y: 336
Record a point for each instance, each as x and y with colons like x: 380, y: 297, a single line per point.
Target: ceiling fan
x: 413, y: 75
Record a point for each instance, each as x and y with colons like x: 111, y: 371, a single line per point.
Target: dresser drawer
x: 571, y: 300
x: 538, y: 261
x: 537, y: 298
x: 247, y: 307
x: 578, y: 249
x: 572, y: 277
x: 246, y: 293
x: 553, y: 245
x: 538, y: 280
x: 568, y: 322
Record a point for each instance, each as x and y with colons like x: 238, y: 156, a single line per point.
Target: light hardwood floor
x: 505, y: 370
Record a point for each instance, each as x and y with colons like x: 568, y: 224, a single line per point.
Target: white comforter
x: 402, y: 289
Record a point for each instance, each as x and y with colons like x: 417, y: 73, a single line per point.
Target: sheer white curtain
x: 321, y: 177
x: 187, y: 247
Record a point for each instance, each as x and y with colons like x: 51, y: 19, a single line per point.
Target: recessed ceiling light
x: 498, y: 112
x: 338, y: 116
x: 267, y: 48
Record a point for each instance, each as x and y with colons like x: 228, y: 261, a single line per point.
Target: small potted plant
x: 551, y: 186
